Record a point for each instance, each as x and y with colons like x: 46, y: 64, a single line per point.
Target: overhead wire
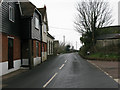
x: 61, y: 28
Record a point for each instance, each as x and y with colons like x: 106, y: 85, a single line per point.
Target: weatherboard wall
x: 9, y: 27
x: 36, y: 33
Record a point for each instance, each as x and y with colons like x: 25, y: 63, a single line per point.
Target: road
x: 62, y: 71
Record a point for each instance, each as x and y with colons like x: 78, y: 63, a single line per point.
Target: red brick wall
x: 34, y: 48
x: 39, y: 49
x: 0, y: 47
x: 4, y: 48
x: 44, y: 47
x: 16, y: 48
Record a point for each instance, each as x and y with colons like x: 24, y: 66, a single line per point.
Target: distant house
x: 44, y: 32
x: 109, y: 39
x: 50, y: 46
x: 56, y: 46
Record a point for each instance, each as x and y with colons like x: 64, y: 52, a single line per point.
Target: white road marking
x: 62, y: 66
x: 106, y: 73
x: 65, y: 61
x: 111, y: 77
x: 50, y: 80
x: 117, y: 80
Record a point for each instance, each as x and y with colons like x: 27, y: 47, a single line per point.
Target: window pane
x: 36, y: 23
x: 11, y: 13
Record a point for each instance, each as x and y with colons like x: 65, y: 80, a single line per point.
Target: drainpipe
x: 41, y: 39
x: 30, y: 54
x: 30, y: 44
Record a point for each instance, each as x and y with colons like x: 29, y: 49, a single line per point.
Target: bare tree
x: 92, y: 14
x: 63, y: 46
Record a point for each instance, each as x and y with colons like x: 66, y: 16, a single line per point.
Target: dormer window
x: 11, y: 14
x: 37, y: 25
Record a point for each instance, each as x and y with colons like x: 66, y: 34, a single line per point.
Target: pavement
x: 62, y: 71
x: 110, y: 68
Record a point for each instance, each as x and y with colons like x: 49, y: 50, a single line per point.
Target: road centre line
x: 54, y: 75
x: 117, y: 80
x: 65, y: 61
x: 106, y: 73
x: 62, y: 66
x: 50, y: 80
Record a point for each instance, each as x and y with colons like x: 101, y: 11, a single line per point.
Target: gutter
x: 20, y: 8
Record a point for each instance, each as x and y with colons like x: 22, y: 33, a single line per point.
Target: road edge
x: 116, y: 80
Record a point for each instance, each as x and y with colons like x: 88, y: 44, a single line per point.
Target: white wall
x: 51, y: 40
x: 36, y: 61
x: 44, y: 34
x: 25, y: 61
x: 5, y: 70
x: 44, y: 56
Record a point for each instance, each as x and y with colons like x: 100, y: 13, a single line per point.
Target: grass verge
x: 104, y: 56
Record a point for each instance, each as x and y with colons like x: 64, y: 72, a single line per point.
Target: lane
x: 78, y: 73
x: 63, y: 71
x: 38, y: 76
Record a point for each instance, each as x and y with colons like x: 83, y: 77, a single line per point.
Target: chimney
x: 45, y: 7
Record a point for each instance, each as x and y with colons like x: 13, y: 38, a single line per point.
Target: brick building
x: 10, y: 37
x: 50, y: 46
x: 23, y: 35
x: 44, y: 32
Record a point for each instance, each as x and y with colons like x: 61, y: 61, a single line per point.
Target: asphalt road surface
x: 62, y: 71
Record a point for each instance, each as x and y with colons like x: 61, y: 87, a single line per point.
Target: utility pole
x: 119, y: 13
x: 76, y: 45
x: 64, y: 39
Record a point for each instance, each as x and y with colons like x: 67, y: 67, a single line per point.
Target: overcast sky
x: 61, y: 14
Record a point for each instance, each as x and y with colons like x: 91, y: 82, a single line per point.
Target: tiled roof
x: 109, y: 36
x: 50, y: 36
x: 44, y: 15
x: 42, y: 11
x: 27, y: 8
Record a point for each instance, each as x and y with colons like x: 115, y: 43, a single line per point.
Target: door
x: 10, y: 53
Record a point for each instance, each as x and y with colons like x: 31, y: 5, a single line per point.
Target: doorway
x: 10, y: 53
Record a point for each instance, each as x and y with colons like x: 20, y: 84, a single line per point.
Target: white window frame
x: 11, y: 14
x: 37, y: 23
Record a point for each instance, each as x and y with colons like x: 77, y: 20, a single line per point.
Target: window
x: 37, y: 25
x: 11, y: 14
x: 44, y: 28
